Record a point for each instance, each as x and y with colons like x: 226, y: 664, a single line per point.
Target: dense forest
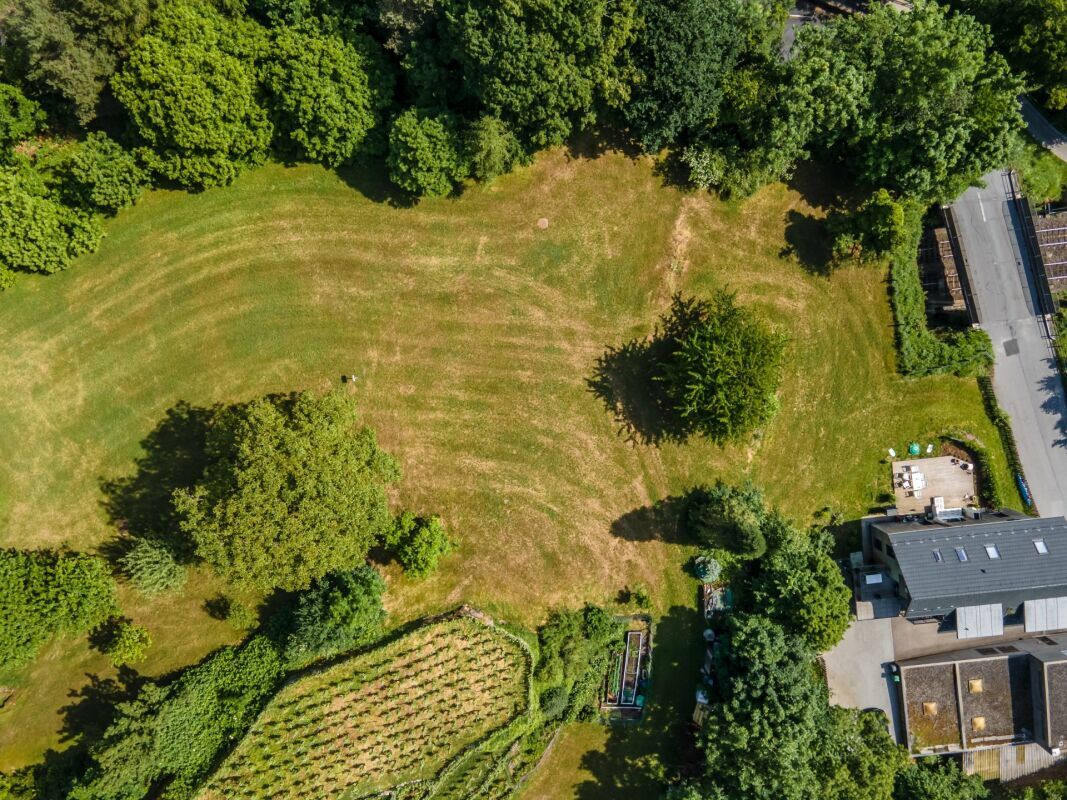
x: 100, y: 100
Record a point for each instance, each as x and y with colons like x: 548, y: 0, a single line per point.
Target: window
x: 889, y: 551
x: 978, y: 724
x: 974, y: 685
x: 992, y: 551
x: 1041, y: 547
x: 930, y: 709
x: 877, y: 544
x: 961, y: 554
x: 938, y: 557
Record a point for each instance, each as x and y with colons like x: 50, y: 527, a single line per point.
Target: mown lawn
x: 472, y: 330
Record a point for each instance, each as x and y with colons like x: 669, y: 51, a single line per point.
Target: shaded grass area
x: 473, y: 333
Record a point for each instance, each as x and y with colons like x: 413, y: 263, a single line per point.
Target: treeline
x: 101, y: 99
x: 771, y: 732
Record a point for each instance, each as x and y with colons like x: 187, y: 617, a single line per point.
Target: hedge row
x: 921, y: 351
x: 1001, y: 422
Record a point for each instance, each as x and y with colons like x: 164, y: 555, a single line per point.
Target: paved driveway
x: 1026, y: 380
x: 856, y: 670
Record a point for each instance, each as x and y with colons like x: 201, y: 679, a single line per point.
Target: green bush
x: 100, y: 174
x: 492, y: 149
x: 152, y: 568
x: 19, y: 118
x: 126, y: 643
x: 339, y: 612
x: 44, y: 593
x: 425, y: 153
x: 419, y: 543
x: 575, y: 647
x: 554, y: 702
x: 38, y: 234
x: 728, y: 517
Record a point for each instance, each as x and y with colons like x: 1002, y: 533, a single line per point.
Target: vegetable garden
x: 435, y: 712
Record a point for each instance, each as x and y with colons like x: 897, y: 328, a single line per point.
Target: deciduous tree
x: 294, y: 489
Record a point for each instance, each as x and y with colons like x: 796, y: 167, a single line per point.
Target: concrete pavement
x: 1026, y: 380
x: 1043, y: 130
x: 857, y: 669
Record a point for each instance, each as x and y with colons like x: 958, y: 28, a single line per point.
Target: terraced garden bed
x: 435, y: 711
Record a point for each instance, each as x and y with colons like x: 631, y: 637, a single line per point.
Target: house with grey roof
x: 974, y: 573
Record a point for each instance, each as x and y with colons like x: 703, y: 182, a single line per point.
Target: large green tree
x: 322, y: 102
x: 918, y: 103
x: 800, y: 586
x: 760, y: 735
x: 1033, y: 36
x: 938, y: 781
x: 722, y: 378
x: 683, y: 53
x: 190, y: 89
x: 43, y: 594
x: 541, y: 66
x: 65, y: 50
x: 294, y: 489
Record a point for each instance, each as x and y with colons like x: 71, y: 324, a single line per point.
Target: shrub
x: 19, y: 118
x: 45, y: 593
x: 102, y: 175
x: 340, y: 611
x: 708, y: 568
x: 424, y: 154
x: 419, y: 543
x: 553, y: 702
x: 37, y: 234
x: 152, y: 568
x: 125, y: 643
x: 492, y: 149
x: 241, y: 616
x: 729, y: 518
x: 574, y: 650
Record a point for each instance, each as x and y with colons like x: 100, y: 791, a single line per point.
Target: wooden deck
x: 942, y: 477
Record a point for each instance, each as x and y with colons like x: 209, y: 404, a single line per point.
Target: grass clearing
x: 473, y: 332
x: 397, y: 715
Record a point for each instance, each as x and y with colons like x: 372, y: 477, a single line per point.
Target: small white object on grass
x: 892, y: 453
x: 542, y: 223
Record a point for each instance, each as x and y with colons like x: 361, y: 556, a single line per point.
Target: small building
x: 1051, y: 228
x: 975, y: 574
x: 939, y: 273
x: 1011, y: 698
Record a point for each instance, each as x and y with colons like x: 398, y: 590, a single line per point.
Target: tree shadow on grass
x: 174, y: 457
x: 639, y: 759
x: 809, y: 241
x: 627, y: 381
x: 660, y: 521
x: 370, y: 178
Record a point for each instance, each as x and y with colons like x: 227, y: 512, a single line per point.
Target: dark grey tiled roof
x: 1020, y: 573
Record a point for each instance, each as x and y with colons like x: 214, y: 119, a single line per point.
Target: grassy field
x: 473, y: 325
x: 397, y: 715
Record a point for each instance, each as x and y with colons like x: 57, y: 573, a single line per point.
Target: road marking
x: 980, y: 206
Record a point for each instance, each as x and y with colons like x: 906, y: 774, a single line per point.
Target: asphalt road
x: 1043, y: 130
x: 1026, y: 380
